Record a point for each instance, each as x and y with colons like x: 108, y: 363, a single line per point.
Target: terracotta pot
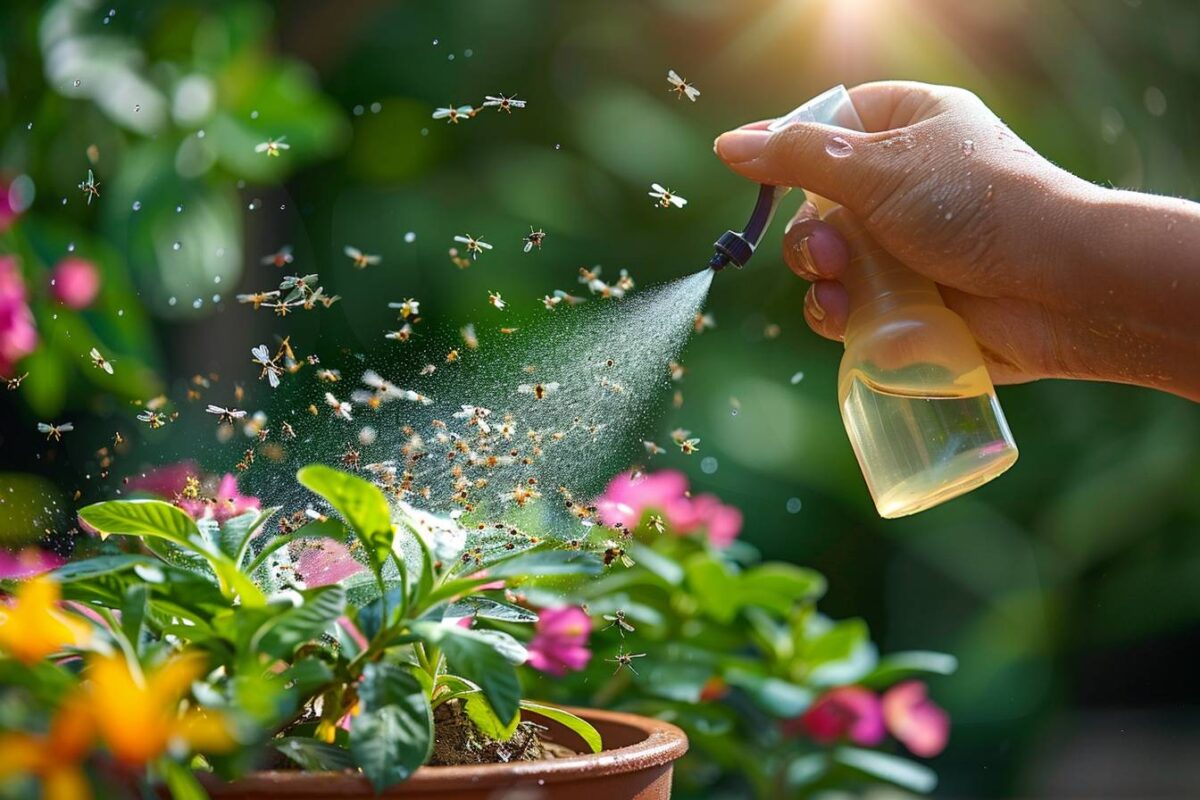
x: 636, y: 765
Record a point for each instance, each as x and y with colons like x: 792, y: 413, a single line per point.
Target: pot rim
x: 664, y: 743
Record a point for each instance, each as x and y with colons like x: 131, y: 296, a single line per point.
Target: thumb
x: 846, y: 166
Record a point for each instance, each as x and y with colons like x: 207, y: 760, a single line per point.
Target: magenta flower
x: 626, y: 499
x: 560, y: 644
x: 27, y: 563
x: 18, y: 335
x: 75, y: 282
x: 333, y: 563
x: 171, y: 481
x: 919, y: 723
x: 846, y: 712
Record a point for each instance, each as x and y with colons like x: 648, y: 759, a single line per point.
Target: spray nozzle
x: 832, y: 107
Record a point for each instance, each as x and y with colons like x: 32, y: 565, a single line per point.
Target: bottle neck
x: 877, y: 283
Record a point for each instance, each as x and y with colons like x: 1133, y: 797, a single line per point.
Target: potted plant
x: 322, y: 656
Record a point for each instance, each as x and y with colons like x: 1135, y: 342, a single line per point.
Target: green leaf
x: 487, y: 608
x: 806, y: 769
x: 133, y: 612
x: 898, y: 666
x: 884, y: 766
x: 777, y: 697
x: 590, y: 736
x: 314, y: 756
x: 180, y: 780
x: 843, y: 653
x: 142, y: 518
x: 480, y: 711
x: 476, y: 658
x: 361, y: 504
x: 779, y: 586
x: 713, y: 586
x: 393, y: 735
x: 236, y: 533
x: 97, y: 566
x: 284, y: 632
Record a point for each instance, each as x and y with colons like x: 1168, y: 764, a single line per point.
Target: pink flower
x: 919, y: 723
x: 27, y: 563
x: 75, y: 282
x: 847, y: 712
x: 18, y: 336
x: 331, y: 564
x: 626, y: 499
x: 560, y: 644
x: 169, y: 483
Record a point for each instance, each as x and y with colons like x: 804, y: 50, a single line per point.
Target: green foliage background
x: 1067, y: 589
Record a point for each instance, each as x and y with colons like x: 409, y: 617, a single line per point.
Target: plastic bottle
x: 916, y: 399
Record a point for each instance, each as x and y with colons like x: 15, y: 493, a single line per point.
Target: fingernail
x: 715, y: 144
x: 806, y: 258
x: 738, y: 146
x: 814, y: 305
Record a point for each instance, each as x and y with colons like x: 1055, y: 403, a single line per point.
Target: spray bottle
x: 916, y: 399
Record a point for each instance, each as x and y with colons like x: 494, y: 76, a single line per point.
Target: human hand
x: 1030, y: 256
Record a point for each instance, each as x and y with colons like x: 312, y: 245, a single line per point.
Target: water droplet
x: 435, y: 41
x: 839, y: 147
x: 29, y: 127
x: 216, y: 279
x: 424, y: 131
x: 200, y: 134
x: 949, y: 215
x: 171, y: 301
x: 708, y: 465
x: 179, y: 208
x: 253, y: 115
x: 253, y: 205
x: 968, y: 147
x: 1155, y: 101
x: 450, y: 57
x: 197, y: 302
x: 797, y: 377
x: 177, y: 245
x: 64, y: 202
x: 120, y: 312
x: 358, y: 111
x: 77, y: 82
x: 220, y: 252
x: 410, y: 237
x: 558, y: 147
x: 137, y: 205
x: 71, y: 247
x: 468, y: 53
x: 283, y: 206
x: 376, y: 107
x: 216, y: 298
x: 793, y: 505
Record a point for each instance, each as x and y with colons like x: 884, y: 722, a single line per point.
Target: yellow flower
x: 33, y: 627
x: 53, y: 757
x: 139, y: 717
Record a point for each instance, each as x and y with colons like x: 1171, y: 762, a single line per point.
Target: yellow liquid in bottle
x: 919, y: 450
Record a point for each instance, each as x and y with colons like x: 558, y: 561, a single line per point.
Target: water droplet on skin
x: 949, y: 215
x: 793, y: 505
x: 177, y: 245
x: 797, y: 377
x: 839, y: 147
x: 968, y: 147
x: 410, y: 237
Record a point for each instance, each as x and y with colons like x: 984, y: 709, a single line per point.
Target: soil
x: 456, y: 741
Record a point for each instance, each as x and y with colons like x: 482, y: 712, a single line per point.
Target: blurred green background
x: 1069, y: 589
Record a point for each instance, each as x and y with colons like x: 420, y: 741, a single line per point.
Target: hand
x: 1032, y: 257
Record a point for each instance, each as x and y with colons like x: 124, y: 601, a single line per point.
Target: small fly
x: 280, y: 258
x: 90, y: 187
x: 361, y: 260
x: 15, y: 381
x: 665, y: 197
x: 538, y: 390
x: 496, y: 300
x: 681, y: 87
x: 55, y: 432
x: 270, y: 370
x: 454, y: 114
x: 534, y: 239
x: 225, y: 416
x: 617, y: 620
x: 474, y: 246
x: 272, y: 146
x: 341, y: 409
x: 623, y: 659
x: 100, y: 362
x: 502, y: 103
